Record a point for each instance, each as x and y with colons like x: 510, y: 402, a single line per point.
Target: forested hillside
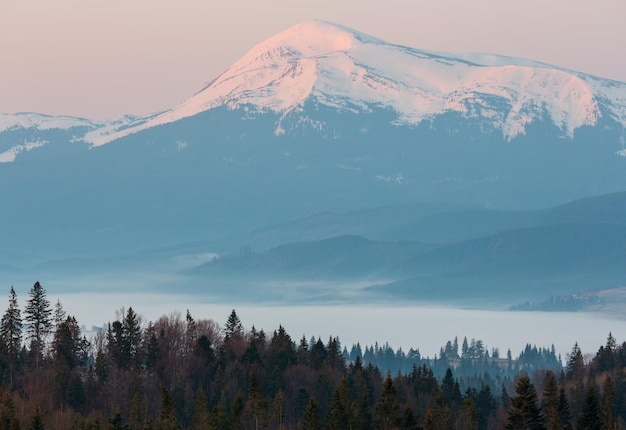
x: 190, y: 373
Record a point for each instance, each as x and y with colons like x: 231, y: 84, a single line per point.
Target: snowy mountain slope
x: 42, y: 122
x: 23, y: 132
x: 337, y: 67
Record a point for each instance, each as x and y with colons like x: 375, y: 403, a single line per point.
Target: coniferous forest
x: 185, y: 372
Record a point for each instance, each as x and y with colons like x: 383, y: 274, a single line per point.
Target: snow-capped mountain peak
x: 275, y: 75
x: 337, y: 67
x: 308, y: 39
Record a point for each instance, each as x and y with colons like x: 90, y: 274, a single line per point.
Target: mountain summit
x: 333, y: 66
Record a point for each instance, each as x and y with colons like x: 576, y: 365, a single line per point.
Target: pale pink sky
x: 102, y: 59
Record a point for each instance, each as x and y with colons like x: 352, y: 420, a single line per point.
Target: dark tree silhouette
x: 525, y: 413
x: 233, y: 327
x: 11, y: 333
x: 591, y: 415
x: 387, y: 408
x: 310, y: 419
x: 37, y: 314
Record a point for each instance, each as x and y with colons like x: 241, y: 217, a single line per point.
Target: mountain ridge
x: 319, y: 62
x: 288, y: 69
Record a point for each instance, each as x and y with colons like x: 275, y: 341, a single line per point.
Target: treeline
x: 472, y: 361
x: 187, y: 373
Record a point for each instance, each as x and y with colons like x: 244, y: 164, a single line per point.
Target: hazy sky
x: 101, y: 59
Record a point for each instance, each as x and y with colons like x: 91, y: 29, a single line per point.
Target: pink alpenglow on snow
x: 338, y: 67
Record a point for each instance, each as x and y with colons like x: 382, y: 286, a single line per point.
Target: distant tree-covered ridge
x: 182, y: 372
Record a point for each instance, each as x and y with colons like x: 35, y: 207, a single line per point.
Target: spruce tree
x: 303, y: 351
x: 451, y: 391
x: 338, y: 413
x: 167, y: 416
x: 525, y: 413
x: 69, y: 351
x: 591, y: 414
x: 278, y: 408
x: 59, y: 314
x: 364, y: 416
x: 131, y: 337
x: 550, y: 406
x: 442, y: 415
x: 310, y: 419
x: 608, y: 404
x: 387, y: 407
x: 37, y: 314
x: 152, y: 349
x: 200, y: 420
x: 124, y: 339
x: 576, y: 364
x: 566, y: 418
x: 485, y: 404
x: 257, y: 404
x: 233, y: 328
x: 11, y: 333
x: 505, y: 399
x: 68, y: 345
x: 466, y: 418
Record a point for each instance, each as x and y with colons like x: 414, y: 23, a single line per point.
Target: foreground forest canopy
x: 187, y: 373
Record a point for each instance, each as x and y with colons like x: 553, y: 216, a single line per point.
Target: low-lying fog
x: 418, y: 326
x: 406, y: 325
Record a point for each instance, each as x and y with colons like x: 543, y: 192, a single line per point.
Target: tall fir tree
x: 525, y: 413
x: 59, y: 313
x: 466, y: 416
x: 576, y: 364
x: 70, y: 351
x: 609, y: 402
x: 11, y: 333
x: 131, y: 337
x: 485, y: 404
x: 339, y: 410
x: 233, y: 327
x: 591, y: 415
x: 387, y: 408
x: 37, y: 316
x: 69, y: 345
x: 451, y: 390
x: 257, y: 403
x: 550, y: 407
x: 566, y: 417
x: 364, y: 416
x: 278, y: 409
